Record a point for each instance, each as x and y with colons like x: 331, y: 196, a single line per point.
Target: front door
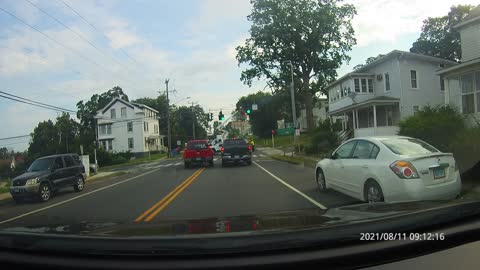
x: 336, y: 174
x: 360, y: 166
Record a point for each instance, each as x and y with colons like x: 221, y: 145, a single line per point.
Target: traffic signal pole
x: 169, y: 135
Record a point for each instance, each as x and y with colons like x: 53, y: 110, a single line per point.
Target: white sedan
x: 390, y: 169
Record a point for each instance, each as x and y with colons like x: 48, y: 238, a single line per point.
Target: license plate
x: 199, y: 158
x: 438, y: 173
x: 237, y: 156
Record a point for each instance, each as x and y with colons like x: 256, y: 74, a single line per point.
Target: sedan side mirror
x: 333, y: 155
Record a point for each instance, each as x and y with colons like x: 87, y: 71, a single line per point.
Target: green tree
x: 182, y: 119
x: 314, y: 35
x: 439, y: 38
x: 45, y: 140
x: 87, y: 111
x: 68, y: 133
x: 270, y: 109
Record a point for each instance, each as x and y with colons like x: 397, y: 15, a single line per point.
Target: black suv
x: 47, y: 175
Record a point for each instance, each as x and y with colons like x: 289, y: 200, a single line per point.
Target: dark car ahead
x: 236, y: 151
x: 49, y: 174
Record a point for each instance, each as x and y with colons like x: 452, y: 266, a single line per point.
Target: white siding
x: 470, y: 41
x: 428, y: 86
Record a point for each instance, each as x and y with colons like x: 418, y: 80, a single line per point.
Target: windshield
x: 405, y: 146
x: 40, y: 165
x: 213, y: 116
x: 197, y: 145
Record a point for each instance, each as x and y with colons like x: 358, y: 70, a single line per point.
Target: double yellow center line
x: 159, y: 206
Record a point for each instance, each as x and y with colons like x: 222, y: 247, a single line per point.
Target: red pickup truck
x: 198, y: 152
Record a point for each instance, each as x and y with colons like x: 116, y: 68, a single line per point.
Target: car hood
x: 30, y: 175
x: 275, y: 222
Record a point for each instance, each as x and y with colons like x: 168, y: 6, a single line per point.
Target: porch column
x: 356, y: 117
x: 374, y: 119
x: 344, y: 122
x: 353, y: 119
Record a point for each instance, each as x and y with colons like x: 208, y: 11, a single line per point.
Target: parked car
x: 235, y: 151
x: 390, y: 169
x: 47, y: 175
x: 198, y: 152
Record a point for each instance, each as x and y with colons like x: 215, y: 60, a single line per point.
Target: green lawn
x: 137, y: 160
x: 5, y: 188
x: 283, y: 141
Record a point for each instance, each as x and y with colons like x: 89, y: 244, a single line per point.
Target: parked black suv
x: 47, y: 175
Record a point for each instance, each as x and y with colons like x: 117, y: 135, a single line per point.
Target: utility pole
x: 193, y: 119
x: 169, y: 135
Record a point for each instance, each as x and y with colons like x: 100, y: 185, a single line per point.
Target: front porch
x: 378, y: 116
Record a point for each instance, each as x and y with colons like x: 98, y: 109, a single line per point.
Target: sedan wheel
x: 374, y: 193
x: 45, y: 192
x: 79, y: 185
x: 320, y: 177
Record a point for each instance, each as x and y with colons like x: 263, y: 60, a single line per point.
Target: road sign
x: 254, y: 107
x: 297, y: 132
x: 179, y: 142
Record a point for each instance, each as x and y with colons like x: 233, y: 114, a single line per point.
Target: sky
x: 138, y: 44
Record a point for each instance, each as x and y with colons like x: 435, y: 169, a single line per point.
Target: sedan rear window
x: 197, y: 145
x: 408, y: 146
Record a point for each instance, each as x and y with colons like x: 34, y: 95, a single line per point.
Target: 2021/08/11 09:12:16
x: 401, y: 236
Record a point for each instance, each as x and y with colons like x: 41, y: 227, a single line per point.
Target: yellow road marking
x: 162, y: 206
x: 151, y: 209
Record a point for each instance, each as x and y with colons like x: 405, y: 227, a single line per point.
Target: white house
x: 319, y: 113
x: 462, y: 82
x: 374, y: 98
x: 125, y: 126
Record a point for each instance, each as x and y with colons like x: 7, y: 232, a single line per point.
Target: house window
x: 113, y: 114
x: 109, y: 129
x: 109, y: 145
x: 415, y: 110
x: 413, y: 79
x: 364, y: 85
x: 387, y: 82
x: 468, y: 95
x: 356, y: 82
x: 103, y: 129
x: 370, y: 85
x: 130, y: 126
x: 442, y: 84
x: 123, y: 112
x: 130, y: 143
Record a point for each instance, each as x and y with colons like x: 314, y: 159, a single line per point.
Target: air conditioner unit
x: 379, y: 77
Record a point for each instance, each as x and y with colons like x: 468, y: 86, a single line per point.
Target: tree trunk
x: 308, y: 101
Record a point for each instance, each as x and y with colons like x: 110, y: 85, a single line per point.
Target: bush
x: 324, y: 138
x: 466, y: 149
x: 105, y: 158
x: 438, y: 126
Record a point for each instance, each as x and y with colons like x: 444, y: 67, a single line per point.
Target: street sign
x: 273, y: 132
x: 179, y: 142
x: 254, y: 107
x: 297, y: 132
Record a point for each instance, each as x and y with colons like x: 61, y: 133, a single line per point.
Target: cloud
x: 389, y: 20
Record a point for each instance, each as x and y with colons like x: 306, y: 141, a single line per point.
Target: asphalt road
x: 164, y: 190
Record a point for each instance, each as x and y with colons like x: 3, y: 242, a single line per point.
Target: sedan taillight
x: 250, y: 148
x: 223, y: 149
x: 404, y: 169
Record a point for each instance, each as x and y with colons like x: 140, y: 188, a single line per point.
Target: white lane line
x: 254, y: 155
x: 176, y: 164
x: 261, y: 155
x: 75, y: 198
x: 292, y: 188
x: 169, y: 165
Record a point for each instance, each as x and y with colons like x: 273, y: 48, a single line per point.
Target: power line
x: 54, y: 40
x: 95, y: 28
x: 14, y: 137
x: 38, y: 102
x: 14, y: 143
x: 75, y: 32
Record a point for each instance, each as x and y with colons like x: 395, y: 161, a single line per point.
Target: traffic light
x: 221, y: 116
x: 248, y: 111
